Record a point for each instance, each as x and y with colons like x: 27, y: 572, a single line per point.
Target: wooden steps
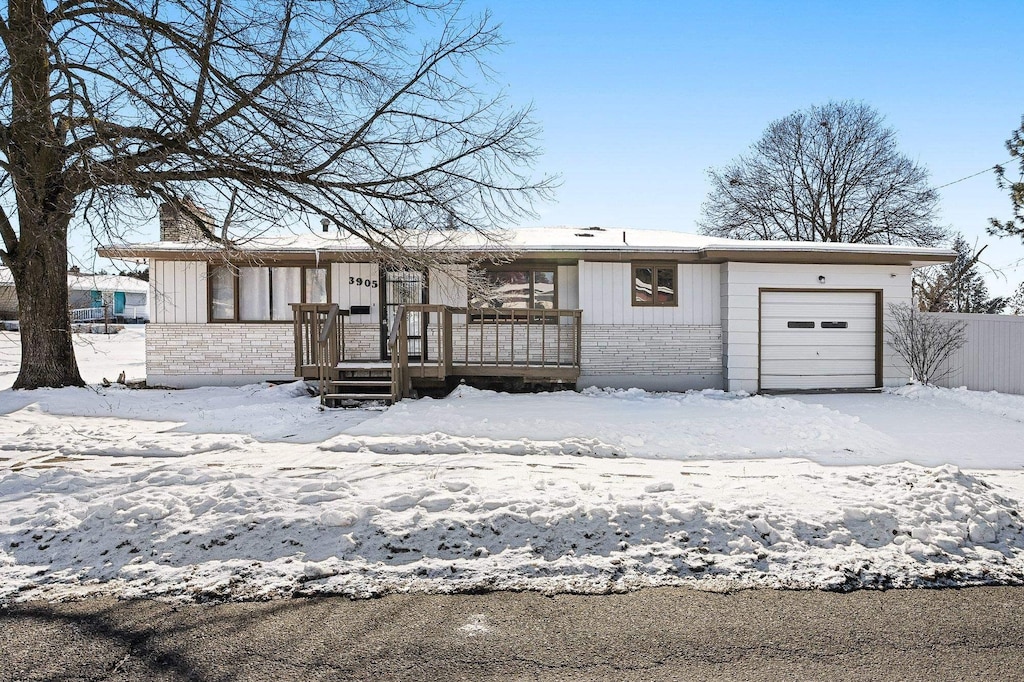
x: 351, y: 386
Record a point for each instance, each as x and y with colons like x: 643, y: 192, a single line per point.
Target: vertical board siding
x: 992, y: 359
x: 177, y: 292
x: 568, y: 279
x: 605, y: 292
x: 447, y: 285
x: 347, y: 295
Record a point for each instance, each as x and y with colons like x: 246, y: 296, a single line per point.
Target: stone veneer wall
x: 362, y: 341
x: 652, y: 356
x: 183, y: 355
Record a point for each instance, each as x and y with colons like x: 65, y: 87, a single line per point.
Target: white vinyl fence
x: 993, y: 357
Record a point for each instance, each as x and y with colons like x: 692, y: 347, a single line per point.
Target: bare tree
x: 829, y: 173
x: 264, y: 111
x: 925, y: 341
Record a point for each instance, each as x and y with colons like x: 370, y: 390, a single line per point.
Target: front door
x: 403, y: 287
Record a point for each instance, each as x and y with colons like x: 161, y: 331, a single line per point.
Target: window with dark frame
x: 654, y: 284
x: 263, y: 293
x: 518, y: 288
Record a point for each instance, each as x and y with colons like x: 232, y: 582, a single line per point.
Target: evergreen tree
x: 1015, y: 303
x: 957, y: 287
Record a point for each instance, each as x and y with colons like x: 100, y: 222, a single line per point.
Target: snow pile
x: 706, y: 424
x: 254, y: 492
x: 155, y: 422
x: 198, y: 532
x: 991, y: 402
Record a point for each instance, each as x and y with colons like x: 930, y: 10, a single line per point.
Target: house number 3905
x: 363, y: 282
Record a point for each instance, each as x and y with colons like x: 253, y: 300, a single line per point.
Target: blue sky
x: 637, y: 100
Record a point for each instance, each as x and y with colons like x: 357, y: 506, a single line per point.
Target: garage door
x: 818, y: 339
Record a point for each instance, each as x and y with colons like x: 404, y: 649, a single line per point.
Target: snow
x: 254, y: 492
x: 99, y: 355
x: 530, y: 239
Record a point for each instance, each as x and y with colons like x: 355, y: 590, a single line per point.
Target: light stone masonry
x: 180, y: 355
x: 651, y: 349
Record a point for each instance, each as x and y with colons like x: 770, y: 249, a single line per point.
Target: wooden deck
x: 434, y: 342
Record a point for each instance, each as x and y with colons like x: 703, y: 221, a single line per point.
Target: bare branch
x: 830, y: 174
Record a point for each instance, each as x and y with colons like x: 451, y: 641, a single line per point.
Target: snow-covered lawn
x: 255, y: 492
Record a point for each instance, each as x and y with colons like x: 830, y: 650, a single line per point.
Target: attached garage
x: 819, y: 339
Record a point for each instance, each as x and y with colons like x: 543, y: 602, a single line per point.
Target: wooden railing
x: 398, y: 349
x: 531, y: 343
x: 319, y: 330
x: 528, y: 342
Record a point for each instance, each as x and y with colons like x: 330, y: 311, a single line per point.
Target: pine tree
x: 957, y: 287
x: 1015, y: 303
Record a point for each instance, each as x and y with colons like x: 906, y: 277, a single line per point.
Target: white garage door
x: 818, y: 339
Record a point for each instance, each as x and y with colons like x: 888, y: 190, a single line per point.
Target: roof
x: 604, y: 242
x: 83, y: 282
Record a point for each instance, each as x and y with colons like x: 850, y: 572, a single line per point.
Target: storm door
x: 404, y: 287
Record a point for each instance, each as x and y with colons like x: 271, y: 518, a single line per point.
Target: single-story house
x: 582, y: 306
x: 126, y: 298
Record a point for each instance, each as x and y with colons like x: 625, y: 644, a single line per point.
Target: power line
x: 974, y: 175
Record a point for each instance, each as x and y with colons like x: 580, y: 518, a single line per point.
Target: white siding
x: 993, y: 357
x: 568, y: 278
x: 447, y: 285
x: 177, y: 292
x: 605, y: 292
x: 743, y: 281
x: 346, y: 292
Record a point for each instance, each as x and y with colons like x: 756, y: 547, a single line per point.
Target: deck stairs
x: 352, y: 384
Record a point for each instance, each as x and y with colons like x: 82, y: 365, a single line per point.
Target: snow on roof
x: 535, y: 240
x: 86, y: 282
x: 107, y: 283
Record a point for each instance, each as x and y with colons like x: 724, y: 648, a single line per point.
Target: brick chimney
x: 178, y: 226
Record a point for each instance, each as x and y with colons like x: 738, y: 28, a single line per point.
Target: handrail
x: 393, y: 335
x: 319, y: 340
x: 328, y: 325
x: 399, y: 364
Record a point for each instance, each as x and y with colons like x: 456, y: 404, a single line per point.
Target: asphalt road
x: 658, y: 634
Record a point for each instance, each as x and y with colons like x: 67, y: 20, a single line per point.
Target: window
x: 654, y: 284
x: 263, y: 294
x: 222, y: 294
x: 520, y: 288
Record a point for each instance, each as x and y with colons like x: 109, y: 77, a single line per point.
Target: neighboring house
x: 8, y: 299
x: 585, y: 306
x: 126, y: 298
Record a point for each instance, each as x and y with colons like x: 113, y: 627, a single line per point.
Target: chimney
x: 179, y: 226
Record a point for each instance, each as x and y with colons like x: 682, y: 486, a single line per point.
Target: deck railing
x: 528, y: 342
x: 532, y: 343
x: 319, y: 330
x: 101, y: 313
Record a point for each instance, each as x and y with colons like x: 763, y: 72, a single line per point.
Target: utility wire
x: 974, y: 175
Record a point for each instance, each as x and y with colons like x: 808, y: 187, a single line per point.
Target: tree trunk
x: 39, y: 258
x: 41, y: 280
